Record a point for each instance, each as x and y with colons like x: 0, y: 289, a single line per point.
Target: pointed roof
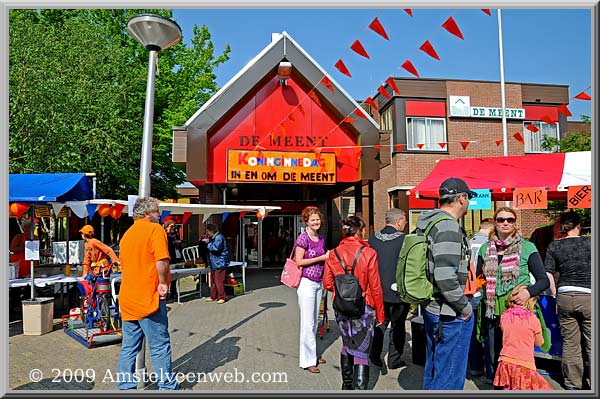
x: 282, y: 48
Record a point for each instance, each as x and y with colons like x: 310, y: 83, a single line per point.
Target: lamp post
x: 155, y: 33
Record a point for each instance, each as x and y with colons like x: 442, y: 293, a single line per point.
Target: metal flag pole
x: 502, y: 91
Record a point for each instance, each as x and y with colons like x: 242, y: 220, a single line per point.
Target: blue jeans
x: 156, y: 330
x: 446, y: 359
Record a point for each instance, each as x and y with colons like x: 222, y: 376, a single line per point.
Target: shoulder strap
x: 342, y: 262
x: 356, y: 258
x: 435, y: 221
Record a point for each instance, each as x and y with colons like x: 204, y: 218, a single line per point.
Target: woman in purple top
x: 310, y: 256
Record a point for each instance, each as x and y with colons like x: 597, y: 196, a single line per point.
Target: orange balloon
x: 18, y: 209
x: 116, y: 212
x: 260, y: 215
x: 104, y: 210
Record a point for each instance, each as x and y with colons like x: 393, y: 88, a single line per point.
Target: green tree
x: 77, y: 85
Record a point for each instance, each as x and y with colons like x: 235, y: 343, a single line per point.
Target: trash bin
x: 38, y: 316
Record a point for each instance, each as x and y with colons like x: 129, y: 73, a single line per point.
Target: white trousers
x: 309, y: 300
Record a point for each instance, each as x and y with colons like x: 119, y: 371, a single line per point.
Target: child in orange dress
x: 521, y: 330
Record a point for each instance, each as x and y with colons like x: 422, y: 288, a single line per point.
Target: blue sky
x: 540, y: 45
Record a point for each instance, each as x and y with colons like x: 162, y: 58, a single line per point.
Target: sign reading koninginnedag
x: 280, y: 167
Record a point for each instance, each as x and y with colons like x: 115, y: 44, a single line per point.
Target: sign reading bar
x: 580, y: 196
x: 530, y: 198
x: 280, y: 167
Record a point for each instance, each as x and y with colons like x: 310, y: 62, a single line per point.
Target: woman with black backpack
x: 351, y: 273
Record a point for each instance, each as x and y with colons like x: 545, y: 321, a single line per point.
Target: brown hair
x: 311, y: 210
x: 352, y: 225
x: 529, y: 304
x: 508, y: 209
x: 168, y: 223
x: 568, y: 221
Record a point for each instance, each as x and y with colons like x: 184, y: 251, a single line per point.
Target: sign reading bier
x: 280, y: 167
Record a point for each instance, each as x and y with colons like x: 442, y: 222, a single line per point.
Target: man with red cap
x: 96, y: 253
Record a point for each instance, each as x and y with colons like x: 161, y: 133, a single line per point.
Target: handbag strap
x: 292, y: 253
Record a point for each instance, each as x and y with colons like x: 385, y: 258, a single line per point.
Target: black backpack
x: 349, y: 299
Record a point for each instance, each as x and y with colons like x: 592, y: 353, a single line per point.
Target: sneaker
x: 220, y: 301
x: 209, y: 299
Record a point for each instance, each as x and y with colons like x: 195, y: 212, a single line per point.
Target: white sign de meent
x: 461, y: 106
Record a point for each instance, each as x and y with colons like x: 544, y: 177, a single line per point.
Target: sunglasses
x: 502, y: 220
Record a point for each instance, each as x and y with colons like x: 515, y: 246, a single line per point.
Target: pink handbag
x: 291, y: 273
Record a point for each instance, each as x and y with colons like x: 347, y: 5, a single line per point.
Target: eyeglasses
x: 502, y: 220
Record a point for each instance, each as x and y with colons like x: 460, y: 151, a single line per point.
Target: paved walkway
x: 248, y: 343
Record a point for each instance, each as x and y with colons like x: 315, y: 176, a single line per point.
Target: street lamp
x: 155, y: 33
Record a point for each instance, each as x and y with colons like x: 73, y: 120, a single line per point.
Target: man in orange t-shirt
x: 96, y: 253
x: 142, y: 298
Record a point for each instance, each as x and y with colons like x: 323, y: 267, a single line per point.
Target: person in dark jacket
x: 387, y: 243
x: 357, y: 334
x: 570, y: 260
x: 219, y: 261
x: 448, y: 316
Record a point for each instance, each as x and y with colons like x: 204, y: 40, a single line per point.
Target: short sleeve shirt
x: 142, y: 245
x: 518, y: 336
x: 313, y: 249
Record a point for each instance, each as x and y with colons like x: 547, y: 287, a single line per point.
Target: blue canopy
x: 49, y: 187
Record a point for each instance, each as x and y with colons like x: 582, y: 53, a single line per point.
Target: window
x: 533, y: 141
x: 386, y: 119
x: 426, y: 133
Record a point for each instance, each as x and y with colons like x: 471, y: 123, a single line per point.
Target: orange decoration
x: 104, y: 210
x: 18, y: 209
x: 117, y: 211
x: 261, y: 216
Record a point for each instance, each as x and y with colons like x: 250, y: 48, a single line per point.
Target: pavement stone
x: 252, y: 333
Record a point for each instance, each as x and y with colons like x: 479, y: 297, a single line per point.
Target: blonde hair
x: 529, y: 304
x: 494, y: 232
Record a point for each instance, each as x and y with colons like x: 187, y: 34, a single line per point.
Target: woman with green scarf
x: 506, y: 261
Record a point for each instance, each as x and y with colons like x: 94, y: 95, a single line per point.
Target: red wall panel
x: 535, y: 112
x: 426, y: 108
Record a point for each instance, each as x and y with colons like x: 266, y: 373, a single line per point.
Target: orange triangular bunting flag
x: 583, y: 96
x: 429, y: 50
x: 376, y: 27
x: 327, y: 83
x: 420, y: 145
x: 377, y: 147
x: 443, y: 145
x: 399, y: 147
x: 547, y: 119
x: 519, y: 138
x: 342, y: 68
x: 408, y: 11
x: 337, y: 152
x: 349, y: 120
x: 465, y: 144
x: 498, y: 142
x: 532, y: 128
x: 383, y: 92
x: 357, y: 150
x: 390, y: 81
x: 450, y: 26
x: 359, y: 49
x: 410, y: 68
x: 360, y: 113
x: 564, y: 110
x: 370, y: 101
x: 487, y: 11
x: 314, y: 97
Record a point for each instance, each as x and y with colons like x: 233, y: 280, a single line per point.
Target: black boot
x: 346, y: 364
x: 361, y: 376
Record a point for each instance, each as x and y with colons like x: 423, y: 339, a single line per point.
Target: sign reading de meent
x: 460, y: 106
x: 280, y: 166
